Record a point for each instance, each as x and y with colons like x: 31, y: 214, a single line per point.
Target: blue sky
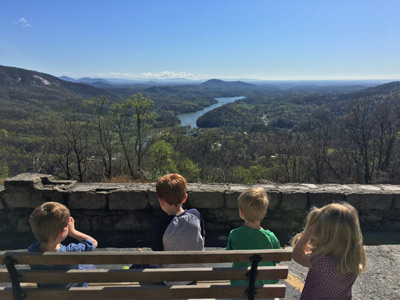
x: 235, y: 39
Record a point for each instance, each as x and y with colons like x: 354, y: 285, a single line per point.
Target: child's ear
x: 161, y: 201
x: 184, y: 199
x: 62, y: 233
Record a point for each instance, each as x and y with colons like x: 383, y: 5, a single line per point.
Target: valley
x: 318, y: 132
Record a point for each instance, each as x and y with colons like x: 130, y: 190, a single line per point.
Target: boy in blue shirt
x: 51, y: 223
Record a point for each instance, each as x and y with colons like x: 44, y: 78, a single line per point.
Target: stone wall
x: 132, y: 208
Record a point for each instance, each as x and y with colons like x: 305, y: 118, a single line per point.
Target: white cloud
x: 148, y: 75
x: 24, y: 23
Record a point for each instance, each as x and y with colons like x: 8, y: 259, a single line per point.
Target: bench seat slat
x: 148, y: 275
x: 148, y: 292
x: 148, y: 257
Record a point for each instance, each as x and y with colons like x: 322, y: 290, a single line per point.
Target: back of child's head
x: 171, y: 188
x: 254, y: 204
x: 48, y: 221
x: 339, y: 234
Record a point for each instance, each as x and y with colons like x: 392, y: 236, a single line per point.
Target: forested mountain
x: 20, y: 88
x: 178, y: 99
x: 31, y: 105
x: 24, y: 84
x: 326, y: 137
x: 319, y: 132
x: 34, y: 104
x: 283, y: 110
x: 387, y: 88
x: 30, y: 99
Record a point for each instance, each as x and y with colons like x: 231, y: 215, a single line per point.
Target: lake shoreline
x: 190, y: 119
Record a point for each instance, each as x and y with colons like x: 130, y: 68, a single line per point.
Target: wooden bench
x: 117, y: 283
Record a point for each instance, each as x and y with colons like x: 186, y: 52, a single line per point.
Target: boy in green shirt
x: 253, y: 205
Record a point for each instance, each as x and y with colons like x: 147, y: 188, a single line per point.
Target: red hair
x: 171, y: 188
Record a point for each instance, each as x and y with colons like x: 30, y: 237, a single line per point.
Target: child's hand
x: 303, y: 248
x: 71, y: 226
x: 76, y: 234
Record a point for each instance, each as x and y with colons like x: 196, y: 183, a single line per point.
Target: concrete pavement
x: 381, y: 281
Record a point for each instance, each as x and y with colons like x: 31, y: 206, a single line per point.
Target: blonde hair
x: 48, y: 221
x: 254, y: 204
x: 339, y: 234
x: 171, y: 188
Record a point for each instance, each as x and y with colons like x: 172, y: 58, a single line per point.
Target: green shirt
x: 246, y: 238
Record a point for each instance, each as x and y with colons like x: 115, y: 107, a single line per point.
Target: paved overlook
x: 381, y: 281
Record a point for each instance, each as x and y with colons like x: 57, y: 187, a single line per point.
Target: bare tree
x: 122, y: 114
x: 319, y: 131
x: 106, y: 139
x: 288, y: 162
x: 359, y: 127
x: 72, y: 146
x: 387, y: 127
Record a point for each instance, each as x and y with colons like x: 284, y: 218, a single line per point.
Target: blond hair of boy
x: 253, y: 205
x: 51, y: 223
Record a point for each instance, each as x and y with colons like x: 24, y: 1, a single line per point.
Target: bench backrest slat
x: 131, y: 257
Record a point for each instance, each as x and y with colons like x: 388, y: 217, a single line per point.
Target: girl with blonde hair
x: 331, y: 245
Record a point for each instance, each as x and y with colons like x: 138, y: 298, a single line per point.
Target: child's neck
x: 173, y: 210
x: 254, y: 225
x: 50, y: 247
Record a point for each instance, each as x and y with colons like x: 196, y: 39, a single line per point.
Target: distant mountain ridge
x: 131, y: 82
x: 209, y: 85
x: 21, y: 83
x: 86, y: 80
x: 383, y: 88
x: 64, y: 87
x: 218, y: 84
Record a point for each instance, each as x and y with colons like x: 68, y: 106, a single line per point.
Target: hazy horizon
x: 258, y: 40
x: 249, y: 80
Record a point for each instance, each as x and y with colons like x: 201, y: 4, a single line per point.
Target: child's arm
x: 76, y: 234
x: 301, y: 253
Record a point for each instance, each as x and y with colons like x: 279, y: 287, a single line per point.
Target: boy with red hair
x: 180, y: 230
